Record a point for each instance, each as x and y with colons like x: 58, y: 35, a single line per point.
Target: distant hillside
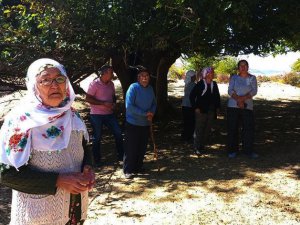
x: 266, y: 72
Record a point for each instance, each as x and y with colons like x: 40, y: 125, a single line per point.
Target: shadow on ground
x: 277, y: 142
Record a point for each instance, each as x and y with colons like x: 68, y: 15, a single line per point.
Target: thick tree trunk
x: 162, y: 85
x: 121, y: 69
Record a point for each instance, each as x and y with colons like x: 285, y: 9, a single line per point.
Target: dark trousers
x: 111, y: 122
x: 235, y: 118
x: 204, y: 122
x: 136, y: 139
x: 188, y: 116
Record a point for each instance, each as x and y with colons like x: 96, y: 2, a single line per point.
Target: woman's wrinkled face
x: 144, y: 78
x: 51, y: 87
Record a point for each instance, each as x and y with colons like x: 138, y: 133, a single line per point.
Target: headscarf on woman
x: 188, y: 76
x: 34, y: 125
x: 206, y: 71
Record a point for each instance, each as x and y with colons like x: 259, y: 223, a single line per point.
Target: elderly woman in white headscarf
x: 188, y: 114
x: 205, y: 100
x: 41, y: 151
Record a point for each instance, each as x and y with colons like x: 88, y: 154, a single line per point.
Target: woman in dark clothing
x: 205, y: 99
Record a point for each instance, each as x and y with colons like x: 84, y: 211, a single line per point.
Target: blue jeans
x: 110, y: 121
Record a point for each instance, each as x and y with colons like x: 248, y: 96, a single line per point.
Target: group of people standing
x: 43, y: 153
x: 201, y: 104
x: 140, y: 106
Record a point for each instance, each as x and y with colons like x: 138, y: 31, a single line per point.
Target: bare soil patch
x: 209, y: 189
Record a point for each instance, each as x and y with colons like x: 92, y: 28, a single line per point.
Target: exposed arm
x: 89, y: 97
x: 92, y: 100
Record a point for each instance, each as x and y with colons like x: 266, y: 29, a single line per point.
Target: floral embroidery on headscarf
x: 17, y: 142
x: 24, y: 117
x: 53, y: 132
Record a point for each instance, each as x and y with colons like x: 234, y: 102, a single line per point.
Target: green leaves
x: 296, y: 66
x: 90, y: 32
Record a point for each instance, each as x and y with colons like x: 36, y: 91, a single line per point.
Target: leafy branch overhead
x: 84, y: 35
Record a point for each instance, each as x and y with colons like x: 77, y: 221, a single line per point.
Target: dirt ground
x: 206, y: 189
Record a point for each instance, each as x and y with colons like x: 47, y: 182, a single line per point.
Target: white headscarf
x: 33, y: 125
x: 206, y: 71
x: 188, y: 76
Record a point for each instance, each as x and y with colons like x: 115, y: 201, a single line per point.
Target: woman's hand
x: 241, y: 104
x: 149, y: 116
x: 90, y: 174
x: 241, y: 100
x: 74, y: 183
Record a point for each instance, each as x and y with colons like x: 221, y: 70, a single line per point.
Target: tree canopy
x: 84, y: 35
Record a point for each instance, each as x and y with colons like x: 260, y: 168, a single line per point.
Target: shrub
x: 222, y: 78
x: 261, y: 79
x: 292, y: 78
x: 276, y: 78
x: 296, y: 66
x: 226, y: 65
x: 176, y: 73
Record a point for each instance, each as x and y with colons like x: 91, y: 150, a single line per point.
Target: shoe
x: 232, y: 155
x: 128, y: 175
